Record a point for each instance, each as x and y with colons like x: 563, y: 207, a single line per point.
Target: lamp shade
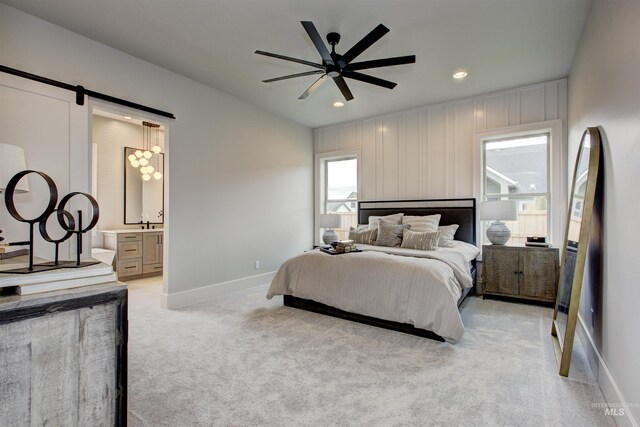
x: 499, y: 210
x: 11, y: 162
x: 329, y: 221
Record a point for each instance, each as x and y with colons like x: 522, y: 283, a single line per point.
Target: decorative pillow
x: 446, y: 235
x: 393, y: 219
x: 390, y: 235
x: 428, y: 223
x: 424, y: 241
x: 365, y: 237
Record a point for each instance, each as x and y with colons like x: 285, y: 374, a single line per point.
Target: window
x: 339, y: 191
x: 517, y: 169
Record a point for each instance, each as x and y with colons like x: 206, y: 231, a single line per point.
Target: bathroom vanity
x: 138, y: 252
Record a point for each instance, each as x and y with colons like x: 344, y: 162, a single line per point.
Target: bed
x: 416, y: 292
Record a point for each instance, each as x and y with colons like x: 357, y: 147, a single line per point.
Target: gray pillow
x: 390, y: 235
x: 424, y: 241
x: 365, y: 237
x: 446, y: 235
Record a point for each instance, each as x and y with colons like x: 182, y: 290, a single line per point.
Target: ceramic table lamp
x: 499, y: 210
x: 329, y: 222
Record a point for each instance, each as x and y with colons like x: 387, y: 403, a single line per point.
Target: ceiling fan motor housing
x: 333, y: 39
x: 333, y: 70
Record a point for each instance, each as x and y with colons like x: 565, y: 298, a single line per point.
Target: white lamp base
x: 498, y: 233
x: 329, y: 236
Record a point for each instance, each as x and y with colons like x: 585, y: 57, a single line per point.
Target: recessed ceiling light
x: 460, y: 75
x: 338, y: 104
x: 127, y: 117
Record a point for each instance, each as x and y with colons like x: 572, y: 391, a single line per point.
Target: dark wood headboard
x: 453, y: 211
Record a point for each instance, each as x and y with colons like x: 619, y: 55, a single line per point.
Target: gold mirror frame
x: 564, y: 345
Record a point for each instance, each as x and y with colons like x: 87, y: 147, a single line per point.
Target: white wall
x: 240, y: 179
x: 435, y: 151
x: 111, y: 137
x: 604, y: 91
x: 428, y: 152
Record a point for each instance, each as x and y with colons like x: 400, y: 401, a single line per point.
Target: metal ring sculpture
x: 95, y: 213
x: 45, y: 235
x: 94, y: 217
x: 65, y: 219
x: 11, y: 187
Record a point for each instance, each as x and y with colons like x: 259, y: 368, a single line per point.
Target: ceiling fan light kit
x: 338, y: 67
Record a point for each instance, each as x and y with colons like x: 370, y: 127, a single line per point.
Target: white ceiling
x: 501, y: 43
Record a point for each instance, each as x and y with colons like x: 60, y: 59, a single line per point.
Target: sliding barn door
x: 54, y: 133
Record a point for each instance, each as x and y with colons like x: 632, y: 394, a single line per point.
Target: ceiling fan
x: 339, y: 66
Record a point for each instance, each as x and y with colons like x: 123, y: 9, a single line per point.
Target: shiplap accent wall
x: 428, y: 152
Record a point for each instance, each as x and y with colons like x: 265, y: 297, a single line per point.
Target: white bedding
x: 420, y: 288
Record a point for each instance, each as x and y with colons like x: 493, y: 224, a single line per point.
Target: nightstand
x: 520, y: 272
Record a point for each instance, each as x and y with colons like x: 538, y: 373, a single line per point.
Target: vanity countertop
x: 131, y: 230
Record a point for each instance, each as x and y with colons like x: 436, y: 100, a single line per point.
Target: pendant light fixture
x: 145, y: 157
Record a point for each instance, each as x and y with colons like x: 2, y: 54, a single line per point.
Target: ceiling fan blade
x: 369, y: 79
x: 386, y: 62
x: 287, y: 58
x: 313, y: 87
x: 363, y: 44
x: 291, y: 76
x: 317, y: 41
x: 342, y: 85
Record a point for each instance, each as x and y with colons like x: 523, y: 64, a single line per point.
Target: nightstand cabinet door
x: 539, y: 269
x: 520, y: 271
x: 502, y: 269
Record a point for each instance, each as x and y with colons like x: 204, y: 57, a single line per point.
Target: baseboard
x: 207, y: 293
x: 623, y: 415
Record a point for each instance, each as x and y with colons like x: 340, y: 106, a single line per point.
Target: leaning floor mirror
x: 585, y: 204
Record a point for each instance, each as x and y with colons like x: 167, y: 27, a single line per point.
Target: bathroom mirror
x: 143, y: 199
x: 586, y: 188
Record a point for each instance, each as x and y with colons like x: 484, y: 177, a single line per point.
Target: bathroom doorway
x: 129, y: 180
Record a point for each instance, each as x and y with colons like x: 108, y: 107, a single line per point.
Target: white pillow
x: 446, y: 235
x: 392, y: 219
x: 422, y: 224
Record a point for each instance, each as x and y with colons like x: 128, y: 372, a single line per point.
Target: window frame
x: 521, y: 196
x: 556, y: 170
x: 320, y: 183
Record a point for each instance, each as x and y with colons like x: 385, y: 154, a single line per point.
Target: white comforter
x: 416, y: 287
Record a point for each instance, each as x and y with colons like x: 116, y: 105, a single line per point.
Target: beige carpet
x: 247, y: 361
